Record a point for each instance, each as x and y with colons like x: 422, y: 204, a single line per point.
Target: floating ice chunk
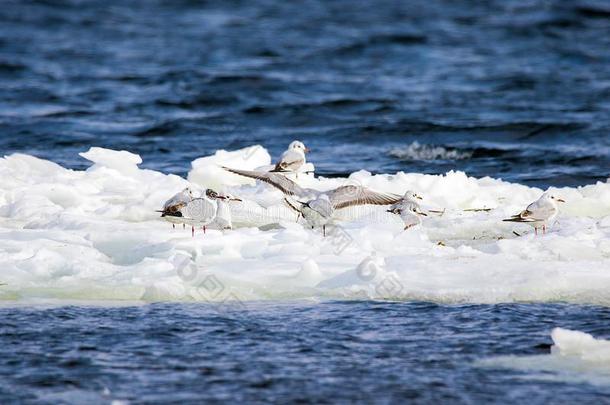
x: 575, y: 356
x: 121, y: 161
x: 26, y: 165
x: 208, y: 173
x: 95, y: 235
x: 582, y: 346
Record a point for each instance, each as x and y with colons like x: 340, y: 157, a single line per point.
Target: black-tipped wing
x: 200, y: 209
x: 523, y: 216
x: 347, y: 196
x: 281, y: 182
x: 173, y: 210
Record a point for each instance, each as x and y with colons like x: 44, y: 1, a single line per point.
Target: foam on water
x: 417, y: 151
x: 95, y: 235
x: 575, y: 356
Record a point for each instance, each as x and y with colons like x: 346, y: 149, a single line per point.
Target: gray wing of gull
x: 322, y: 206
x: 347, y: 196
x: 200, y: 210
x: 541, y: 211
x: 535, y: 212
x: 279, y: 181
x: 179, y: 200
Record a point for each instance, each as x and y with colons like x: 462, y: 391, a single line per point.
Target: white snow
x: 95, y: 235
x: 575, y: 356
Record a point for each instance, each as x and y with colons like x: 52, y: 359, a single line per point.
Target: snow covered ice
x: 95, y: 235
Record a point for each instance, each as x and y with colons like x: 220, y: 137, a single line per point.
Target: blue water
x: 280, y: 352
x: 512, y: 89
x: 522, y: 88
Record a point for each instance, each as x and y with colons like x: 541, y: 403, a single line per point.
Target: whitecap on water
x: 417, y: 151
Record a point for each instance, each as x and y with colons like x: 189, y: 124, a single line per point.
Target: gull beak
x: 423, y: 213
x: 561, y: 200
x: 307, y: 150
x: 235, y: 199
x: 419, y: 197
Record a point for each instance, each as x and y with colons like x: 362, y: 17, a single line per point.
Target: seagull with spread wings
x: 317, y: 207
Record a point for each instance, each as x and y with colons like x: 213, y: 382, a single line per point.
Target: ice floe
x: 575, y: 357
x: 94, y: 234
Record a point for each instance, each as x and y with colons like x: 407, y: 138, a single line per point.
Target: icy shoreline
x: 94, y: 235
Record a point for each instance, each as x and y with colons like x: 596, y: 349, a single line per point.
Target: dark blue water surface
x: 520, y: 89
x: 331, y: 352
x: 512, y: 89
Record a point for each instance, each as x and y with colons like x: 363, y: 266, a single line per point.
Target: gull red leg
x: 324, y: 230
x: 536, y: 231
x: 543, y: 229
x: 193, y: 231
x: 173, y: 226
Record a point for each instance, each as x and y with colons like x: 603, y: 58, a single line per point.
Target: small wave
x: 592, y: 12
x: 417, y: 151
x: 400, y: 39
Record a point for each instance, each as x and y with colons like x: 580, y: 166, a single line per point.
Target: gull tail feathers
x: 518, y: 218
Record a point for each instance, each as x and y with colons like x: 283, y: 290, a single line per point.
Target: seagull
x: 408, y: 209
x: 293, y: 158
x: 223, y: 214
x: 174, y: 204
x: 539, y: 213
x: 196, y: 212
x: 317, y: 207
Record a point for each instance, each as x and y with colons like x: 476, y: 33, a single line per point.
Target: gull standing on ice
x: 197, y: 212
x: 174, y: 204
x: 317, y: 207
x: 223, y: 214
x: 408, y: 209
x: 540, y: 213
x: 292, y: 159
